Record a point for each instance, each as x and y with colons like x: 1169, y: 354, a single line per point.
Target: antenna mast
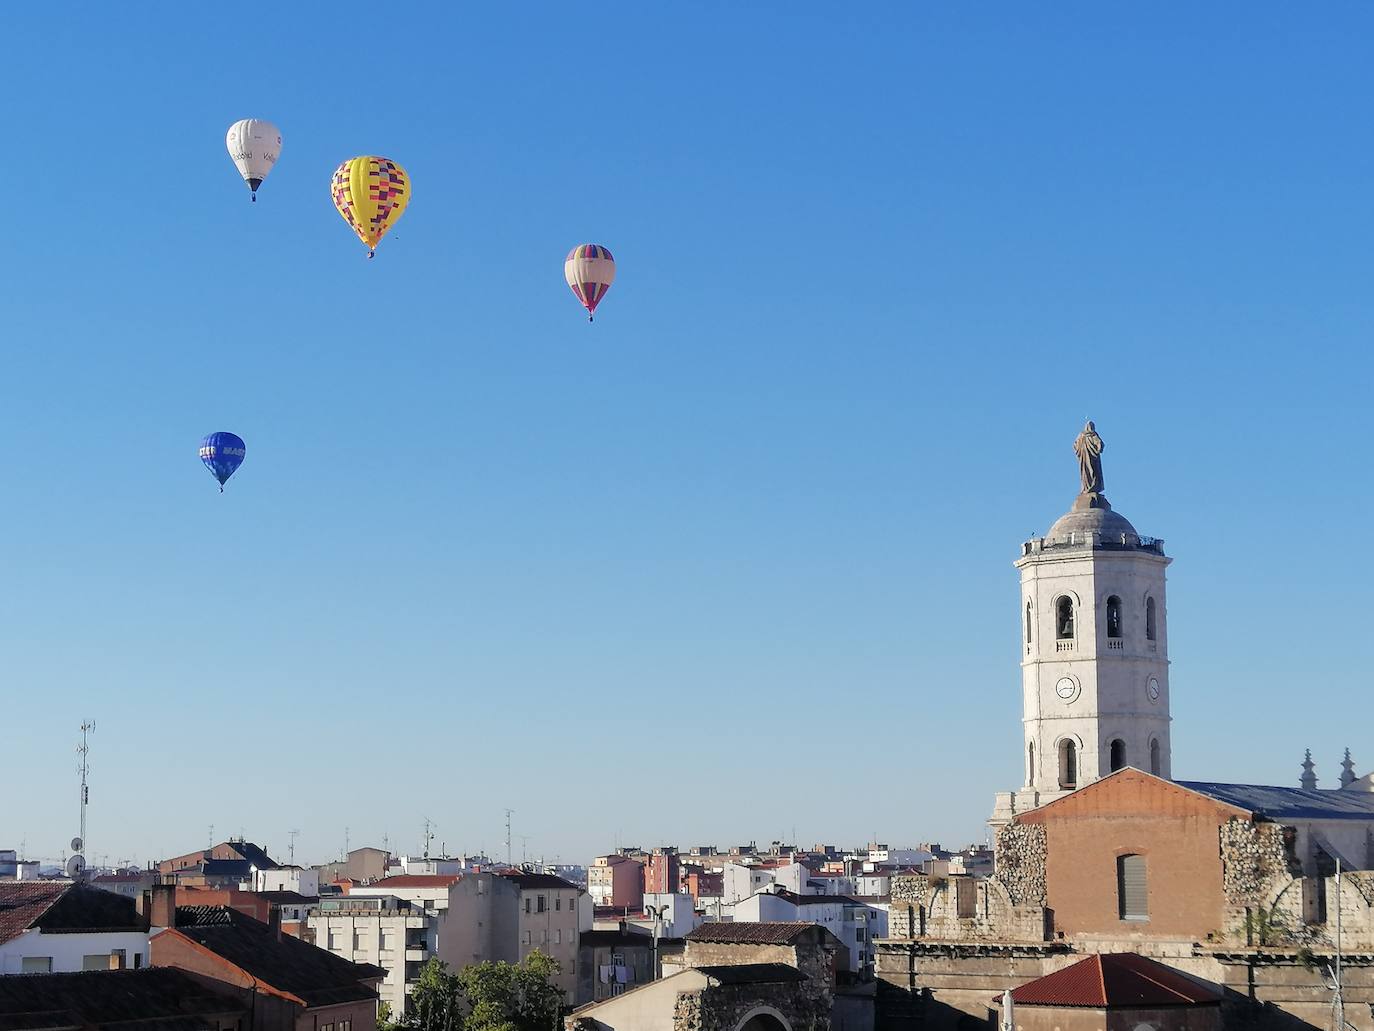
x: 293, y: 834
x: 84, y: 768
x: 508, y: 812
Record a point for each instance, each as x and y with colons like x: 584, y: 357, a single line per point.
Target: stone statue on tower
x: 1088, y: 448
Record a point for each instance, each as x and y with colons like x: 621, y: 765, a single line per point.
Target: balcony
x: 416, y: 954
x: 1115, y: 644
x: 1063, y: 646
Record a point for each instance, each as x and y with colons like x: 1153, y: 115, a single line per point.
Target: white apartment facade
x: 392, y: 933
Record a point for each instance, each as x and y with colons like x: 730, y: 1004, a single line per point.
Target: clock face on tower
x: 1066, y: 688
x: 1152, y: 689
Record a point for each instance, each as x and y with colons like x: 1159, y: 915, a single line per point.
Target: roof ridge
x: 1102, y: 979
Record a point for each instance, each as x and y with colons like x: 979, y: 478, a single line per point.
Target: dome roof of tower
x: 1091, y: 516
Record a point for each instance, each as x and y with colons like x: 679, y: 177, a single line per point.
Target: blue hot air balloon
x: 222, y: 453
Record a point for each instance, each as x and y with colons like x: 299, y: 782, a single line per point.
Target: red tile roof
x: 777, y: 932
x: 1115, y: 981
x: 23, y: 902
x: 417, y: 880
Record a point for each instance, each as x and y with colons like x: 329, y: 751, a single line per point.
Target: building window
x: 1113, y: 616
x: 1131, y: 892
x: 345, y: 1025
x: 617, y: 988
x: 1063, y: 618
x: 1030, y: 622
x: 1150, y: 619
x: 138, y: 961
x: 1068, y: 765
x: 1117, y: 754
x: 527, y: 903
x: 1030, y: 764
x: 327, y: 1027
x: 99, y: 961
x: 36, y: 965
x: 1154, y: 756
x: 524, y: 937
x: 541, y: 905
x: 557, y: 903
x: 358, y: 944
x: 558, y: 936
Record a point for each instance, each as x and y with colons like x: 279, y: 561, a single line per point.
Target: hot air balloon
x: 222, y: 453
x: 254, y: 145
x: 371, y: 193
x: 590, y: 271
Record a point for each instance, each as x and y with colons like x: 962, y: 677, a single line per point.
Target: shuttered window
x: 1131, y: 890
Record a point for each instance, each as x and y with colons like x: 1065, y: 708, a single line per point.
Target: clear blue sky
x: 735, y: 560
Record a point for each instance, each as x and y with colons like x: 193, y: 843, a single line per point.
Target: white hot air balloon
x: 254, y: 145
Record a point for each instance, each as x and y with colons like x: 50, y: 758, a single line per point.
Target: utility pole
x: 508, y: 858
x: 293, y: 834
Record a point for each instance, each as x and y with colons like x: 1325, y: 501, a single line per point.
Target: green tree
x: 436, y: 1002
x: 502, y: 997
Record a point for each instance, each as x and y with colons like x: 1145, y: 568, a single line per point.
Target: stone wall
x: 929, y: 907
x: 724, y: 1007
x: 1020, y: 851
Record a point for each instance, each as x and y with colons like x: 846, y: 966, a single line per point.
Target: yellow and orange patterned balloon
x: 371, y: 193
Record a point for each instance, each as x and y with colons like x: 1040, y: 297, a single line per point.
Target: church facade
x: 1100, y: 851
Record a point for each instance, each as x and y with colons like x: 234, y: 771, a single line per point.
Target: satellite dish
x: 76, y: 866
x: 76, y: 844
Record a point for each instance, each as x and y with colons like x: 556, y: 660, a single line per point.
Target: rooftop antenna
x: 508, y: 812
x: 429, y: 835
x: 292, y: 834
x: 211, y: 842
x: 344, y: 857
x: 524, y: 843
x: 77, y: 864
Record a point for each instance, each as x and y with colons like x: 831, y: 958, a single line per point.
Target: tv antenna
x: 292, y: 849
x: 429, y: 835
x: 508, y: 812
x: 76, y: 866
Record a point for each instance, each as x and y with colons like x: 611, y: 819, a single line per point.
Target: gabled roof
x: 254, y: 854
x: 83, y: 908
x: 767, y: 932
x: 1280, y: 804
x: 754, y: 973
x: 23, y: 902
x: 417, y: 880
x: 61, y: 907
x: 1115, y: 981
x: 285, y: 963
x: 156, y: 997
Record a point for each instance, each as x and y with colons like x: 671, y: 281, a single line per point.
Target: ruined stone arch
x: 763, y: 1018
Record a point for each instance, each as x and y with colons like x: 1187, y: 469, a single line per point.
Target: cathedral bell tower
x: 1094, y: 647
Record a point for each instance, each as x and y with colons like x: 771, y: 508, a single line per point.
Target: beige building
x: 548, y: 919
x: 616, y: 880
x: 388, y: 932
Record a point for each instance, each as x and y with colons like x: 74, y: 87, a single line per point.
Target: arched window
x: 1030, y: 764
x: 1063, y: 618
x: 1118, y: 754
x: 1113, y: 616
x: 1068, y: 765
x: 1154, y: 756
x: 1150, y: 619
x: 1029, y: 622
x: 1132, y: 891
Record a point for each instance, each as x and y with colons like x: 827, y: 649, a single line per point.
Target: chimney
x: 274, y: 921
x: 161, y: 907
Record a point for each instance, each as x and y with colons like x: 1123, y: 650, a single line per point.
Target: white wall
x: 68, y: 951
x: 302, y: 882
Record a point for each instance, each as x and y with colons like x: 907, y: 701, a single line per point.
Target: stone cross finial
x: 1309, y: 772
x: 1347, y: 770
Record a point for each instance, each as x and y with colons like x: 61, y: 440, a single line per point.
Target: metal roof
x: 1280, y: 804
x: 1115, y: 981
